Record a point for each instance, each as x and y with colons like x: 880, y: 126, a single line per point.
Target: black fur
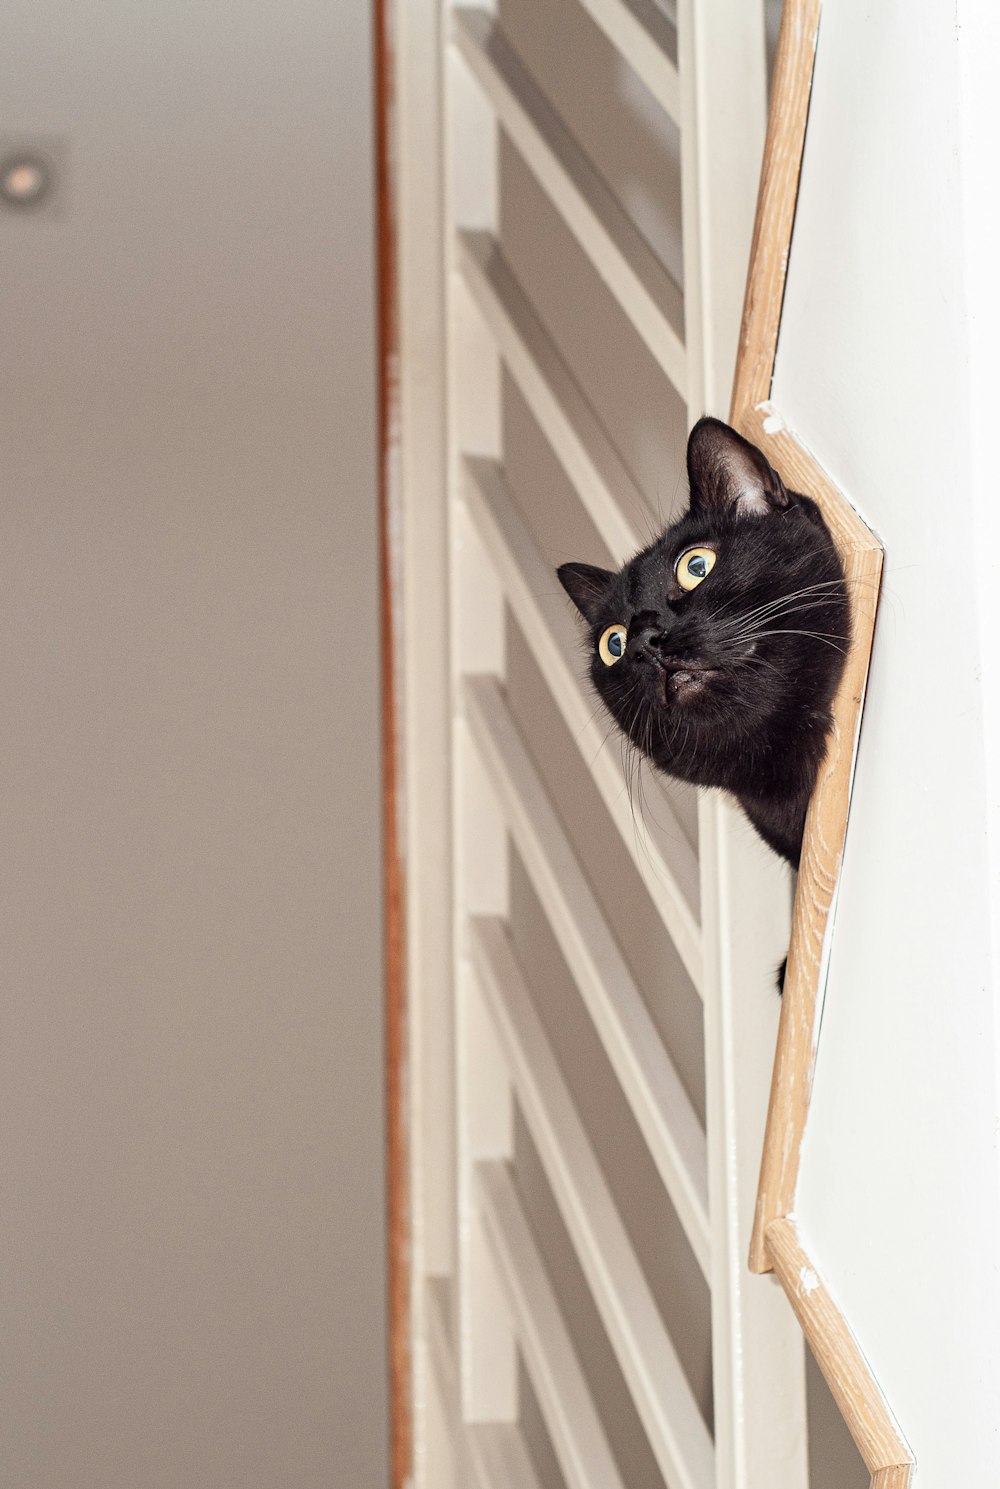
x: 730, y: 684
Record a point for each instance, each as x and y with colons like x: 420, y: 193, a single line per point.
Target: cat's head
x: 718, y: 648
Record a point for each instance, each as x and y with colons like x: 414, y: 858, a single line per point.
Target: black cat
x: 719, y: 647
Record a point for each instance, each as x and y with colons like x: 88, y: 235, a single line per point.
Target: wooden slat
x: 622, y: 257
x: 419, y: 552
x: 571, y: 1417
x: 580, y: 443
x: 897, y: 1476
x: 647, y: 1358
x: 758, y: 1362
x: 394, y: 882
x: 791, y: 86
x: 825, y: 831
x: 664, y: 860
x: 491, y: 1456
x: 775, y: 1242
x: 477, y: 1084
x: 645, y: 39
x: 847, y: 1372
x: 651, y: 1085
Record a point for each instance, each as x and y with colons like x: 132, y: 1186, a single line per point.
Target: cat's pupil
x: 697, y: 566
x: 616, y: 644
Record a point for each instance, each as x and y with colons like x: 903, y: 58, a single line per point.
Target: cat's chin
x: 684, y: 686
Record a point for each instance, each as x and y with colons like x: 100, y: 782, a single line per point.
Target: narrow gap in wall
x: 834, y: 1461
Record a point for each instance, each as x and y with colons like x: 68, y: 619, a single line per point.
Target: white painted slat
x: 567, y: 420
x: 570, y: 1415
x: 666, y: 863
x: 758, y: 1364
x: 499, y: 1457
x: 418, y: 477
x: 641, y: 34
x: 648, y: 1361
x: 758, y: 1358
x: 622, y: 257
x: 491, y: 1456
x: 487, y: 1350
x: 645, y: 1071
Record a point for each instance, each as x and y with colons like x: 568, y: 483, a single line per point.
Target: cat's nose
x: 646, y: 639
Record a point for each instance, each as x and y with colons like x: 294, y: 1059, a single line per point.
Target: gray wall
x: 191, y: 1224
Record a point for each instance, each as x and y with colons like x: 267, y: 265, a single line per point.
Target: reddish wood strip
x: 393, y: 885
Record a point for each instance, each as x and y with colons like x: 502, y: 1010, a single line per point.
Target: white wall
x: 885, y: 305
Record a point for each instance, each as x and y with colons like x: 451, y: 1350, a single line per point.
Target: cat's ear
x: 727, y: 471
x: 587, y: 587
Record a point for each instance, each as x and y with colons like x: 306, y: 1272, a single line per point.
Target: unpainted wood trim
x: 776, y: 1244
x: 826, y: 827
x: 791, y: 85
x: 393, y: 885
x: 847, y: 1372
x: 893, y: 1476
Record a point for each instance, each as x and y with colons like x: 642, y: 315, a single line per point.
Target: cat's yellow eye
x: 612, y: 645
x: 693, y: 566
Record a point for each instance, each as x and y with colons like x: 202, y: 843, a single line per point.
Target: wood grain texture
x: 893, y: 1476
x: 775, y: 1243
x: 397, y: 1158
x: 791, y: 85
x: 826, y: 828
x: 847, y: 1372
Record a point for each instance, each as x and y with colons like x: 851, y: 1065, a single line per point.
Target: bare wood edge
x: 893, y: 1476
x: 791, y: 85
x: 397, y: 1192
x: 826, y: 828
x: 775, y: 1243
x: 848, y: 1374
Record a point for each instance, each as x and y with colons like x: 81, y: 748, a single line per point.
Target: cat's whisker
x: 607, y: 735
x: 797, y: 594
x: 826, y: 637
x: 599, y: 705
x: 749, y: 625
x: 763, y: 612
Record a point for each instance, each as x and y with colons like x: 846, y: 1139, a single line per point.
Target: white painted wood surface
x: 483, y: 1113
x: 643, y: 36
x: 420, y: 559
x: 665, y: 862
x: 574, y: 1426
x: 758, y: 1359
x: 455, y: 1455
x: 619, y: 253
x: 887, y: 369
x: 547, y: 385
x: 645, y: 1352
x: 714, y: 89
x: 651, y: 1085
